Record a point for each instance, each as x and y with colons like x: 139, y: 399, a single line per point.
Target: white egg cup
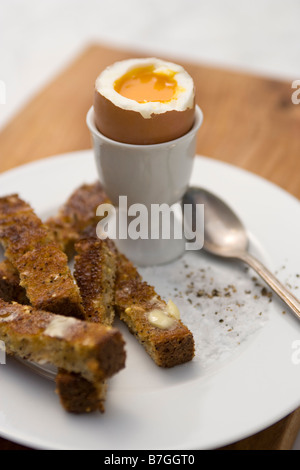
x: 147, y: 174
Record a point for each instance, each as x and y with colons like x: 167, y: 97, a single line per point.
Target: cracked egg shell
x: 144, y: 101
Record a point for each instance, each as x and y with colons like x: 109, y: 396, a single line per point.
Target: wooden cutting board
x: 249, y: 122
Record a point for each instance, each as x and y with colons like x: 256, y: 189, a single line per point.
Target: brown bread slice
x: 135, y: 300
x: 95, y: 268
x: 94, y: 351
x: 41, y: 264
x: 95, y: 272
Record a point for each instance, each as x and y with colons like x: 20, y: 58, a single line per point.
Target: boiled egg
x: 144, y: 101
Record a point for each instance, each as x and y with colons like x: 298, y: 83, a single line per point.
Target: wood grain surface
x: 250, y: 122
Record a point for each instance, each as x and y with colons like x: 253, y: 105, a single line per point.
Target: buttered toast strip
x: 94, y: 271
x: 94, y: 351
x: 155, y: 323
x: 41, y: 264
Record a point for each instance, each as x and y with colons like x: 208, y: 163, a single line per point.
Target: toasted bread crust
x: 94, y: 351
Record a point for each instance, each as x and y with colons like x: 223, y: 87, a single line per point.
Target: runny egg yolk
x: 145, y: 84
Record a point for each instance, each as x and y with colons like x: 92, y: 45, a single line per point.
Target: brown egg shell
x: 131, y: 127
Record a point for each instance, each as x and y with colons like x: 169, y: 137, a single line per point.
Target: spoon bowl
x: 226, y: 236
x: 224, y: 233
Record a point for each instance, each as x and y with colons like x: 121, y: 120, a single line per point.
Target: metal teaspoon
x: 225, y: 235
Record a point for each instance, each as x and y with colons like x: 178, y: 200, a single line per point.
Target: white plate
x: 236, y: 386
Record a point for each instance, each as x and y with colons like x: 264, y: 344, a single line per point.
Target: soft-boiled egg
x: 144, y: 101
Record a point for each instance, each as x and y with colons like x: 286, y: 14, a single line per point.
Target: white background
x: 39, y: 37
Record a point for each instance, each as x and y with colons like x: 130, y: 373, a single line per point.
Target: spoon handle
x: 273, y: 282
